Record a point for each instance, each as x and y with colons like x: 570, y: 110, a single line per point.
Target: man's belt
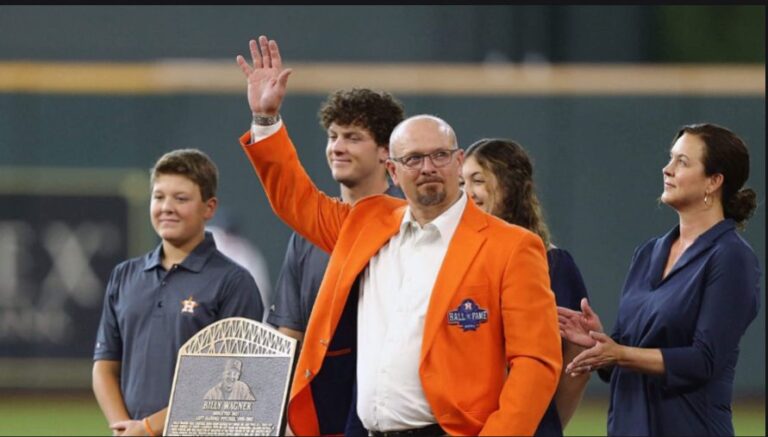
x: 427, y: 431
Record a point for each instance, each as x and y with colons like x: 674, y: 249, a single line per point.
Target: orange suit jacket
x: 497, y: 379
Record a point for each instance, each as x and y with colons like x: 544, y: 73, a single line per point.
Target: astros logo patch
x: 188, y: 305
x: 468, y: 315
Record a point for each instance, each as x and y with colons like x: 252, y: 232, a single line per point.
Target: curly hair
x: 193, y: 164
x: 379, y: 112
x: 513, y: 170
x: 727, y: 154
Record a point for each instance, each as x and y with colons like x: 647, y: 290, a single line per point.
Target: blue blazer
x: 696, y: 315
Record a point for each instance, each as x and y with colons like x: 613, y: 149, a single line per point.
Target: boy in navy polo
x: 156, y: 302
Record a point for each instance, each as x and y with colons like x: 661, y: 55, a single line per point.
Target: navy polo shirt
x: 299, y: 280
x: 149, y: 313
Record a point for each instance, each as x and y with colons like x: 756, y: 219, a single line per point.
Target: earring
x: 707, y: 200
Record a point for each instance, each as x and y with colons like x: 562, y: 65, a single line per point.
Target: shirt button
x: 162, y: 283
x: 307, y: 373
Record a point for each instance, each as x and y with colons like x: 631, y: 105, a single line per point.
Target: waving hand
x: 267, y: 80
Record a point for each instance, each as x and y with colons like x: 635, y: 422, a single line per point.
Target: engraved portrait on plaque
x: 230, y: 388
x: 232, y: 378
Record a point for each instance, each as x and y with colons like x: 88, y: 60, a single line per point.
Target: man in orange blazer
x: 446, y: 310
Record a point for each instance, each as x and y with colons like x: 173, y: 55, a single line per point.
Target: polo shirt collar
x: 153, y: 259
x: 193, y: 262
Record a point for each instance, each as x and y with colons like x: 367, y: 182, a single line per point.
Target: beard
x: 431, y: 196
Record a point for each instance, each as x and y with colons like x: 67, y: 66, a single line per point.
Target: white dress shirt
x: 395, y: 290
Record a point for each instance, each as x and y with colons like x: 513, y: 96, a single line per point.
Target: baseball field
x: 77, y: 414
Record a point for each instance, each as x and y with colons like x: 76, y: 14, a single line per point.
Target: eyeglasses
x: 439, y: 158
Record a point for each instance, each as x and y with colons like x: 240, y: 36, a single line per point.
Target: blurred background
x: 91, y: 96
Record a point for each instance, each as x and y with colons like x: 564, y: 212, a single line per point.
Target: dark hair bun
x: 741, y: 205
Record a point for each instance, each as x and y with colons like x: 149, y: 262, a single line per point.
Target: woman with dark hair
x: 688, y: 298
x: 498, y: 175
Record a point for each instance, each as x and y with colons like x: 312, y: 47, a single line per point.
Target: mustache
x: 428, y: 179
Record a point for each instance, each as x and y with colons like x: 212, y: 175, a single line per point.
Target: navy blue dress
x: 568, y: 285
x: 696, y: 315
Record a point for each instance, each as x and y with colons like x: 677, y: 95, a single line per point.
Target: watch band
x: 265, y: 120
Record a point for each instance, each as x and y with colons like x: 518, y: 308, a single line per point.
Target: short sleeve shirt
x: 149, y: 313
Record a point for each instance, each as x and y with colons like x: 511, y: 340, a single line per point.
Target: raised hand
x: 576, y: 325
x: 267, y: 80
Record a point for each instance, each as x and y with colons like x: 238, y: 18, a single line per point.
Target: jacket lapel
x: 464, y: 247
x: 371, y: 238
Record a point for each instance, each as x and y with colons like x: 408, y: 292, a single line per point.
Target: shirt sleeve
x: 109, y: 343
x: 259, y: 133
x: 730, y: 301
x: 240, y: 297
x: 286, y: 311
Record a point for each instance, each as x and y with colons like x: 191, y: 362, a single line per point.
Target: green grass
x: 56, y: 414
x: 78, y: 414
x: 590, y: 418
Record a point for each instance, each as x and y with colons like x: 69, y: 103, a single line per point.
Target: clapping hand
x: 605, y: 352
x: 575, y: 326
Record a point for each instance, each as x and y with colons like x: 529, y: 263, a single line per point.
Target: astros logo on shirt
x: 188, y: 305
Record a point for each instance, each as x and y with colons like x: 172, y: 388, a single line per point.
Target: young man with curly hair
x: 358, y: 123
